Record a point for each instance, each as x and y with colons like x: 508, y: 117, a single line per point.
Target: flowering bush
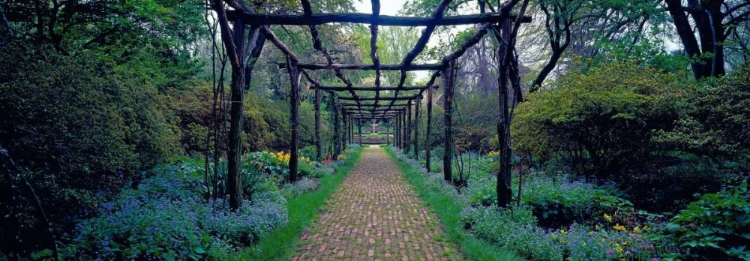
x: 303, y: 185
x: 277, y: 163
x: 558, y: 201
x: 167, y: 218
x: 515, y: 229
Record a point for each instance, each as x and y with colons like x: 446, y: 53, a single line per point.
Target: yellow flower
x: 618, y: 248
x: 563, y: 232
x: 607, y: 217
x: 619, y: 227
x: 597, y: 227
x: 645, y: 228
x: 637, y: 230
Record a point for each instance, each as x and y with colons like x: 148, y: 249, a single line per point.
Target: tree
x: 715, y: 22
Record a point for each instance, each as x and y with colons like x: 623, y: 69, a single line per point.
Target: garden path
x: 375, y: 215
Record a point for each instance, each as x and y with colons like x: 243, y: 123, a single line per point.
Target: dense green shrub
x: 716, y: 227
x: 714, y: 120
x: 557, y: 201
x: 601, y: 122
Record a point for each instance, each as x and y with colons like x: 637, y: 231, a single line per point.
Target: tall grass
x: 449, y: 213
x: 281, y: 243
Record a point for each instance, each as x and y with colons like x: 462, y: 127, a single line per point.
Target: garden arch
x: 402, y: 110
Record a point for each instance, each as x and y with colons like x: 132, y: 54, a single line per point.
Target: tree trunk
x: 235, y: 121
x: 428, y: 144
x: 416, y: 129
x: 318, y: 142
x: 408, y: 128
x: 504, y: 191
x: 336, y: 129
x: 295, y: 101
x: 447, y: 121
x: 359, y: 131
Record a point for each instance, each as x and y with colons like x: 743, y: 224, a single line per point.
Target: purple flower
x: 610, y: 252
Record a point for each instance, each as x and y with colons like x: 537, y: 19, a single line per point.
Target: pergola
x: 402, y: 108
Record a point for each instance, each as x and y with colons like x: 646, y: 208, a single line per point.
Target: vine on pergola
x: 402, y: 110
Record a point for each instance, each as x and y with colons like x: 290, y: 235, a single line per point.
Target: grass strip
x: 449, y: 213
x: 281, y: 243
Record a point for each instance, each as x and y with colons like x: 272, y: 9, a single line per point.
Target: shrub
x: 716, y: 227
x: 167, y: 218
x: 714, y: 119
x: 601, y: 122
x: 513, y: 228
x: 557, y: 201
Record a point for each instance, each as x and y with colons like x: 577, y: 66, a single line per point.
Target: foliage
x: 716, y: 227
x: 715, y: 119
x: 303, y: 208
x: 557, y: 201
x: 602, y: 122
x: 167, y: 218
x: 513, y: 228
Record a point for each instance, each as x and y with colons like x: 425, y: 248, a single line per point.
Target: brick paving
x: 375, y: 215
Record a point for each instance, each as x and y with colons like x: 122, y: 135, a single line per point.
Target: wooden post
x: 428, y: 144
x: 504, y: 191
x: 416, y: 127
x: 294, y: 99
x: 343, y: 136
x: 235, y: 121
x: 359, y: 131
x: 336, y: 130
x: 408, y: 127
x: 318, y: 142
x: 351, y: 131
x: 387, y: 133
x: 447, y: 121
x: 395, y: 131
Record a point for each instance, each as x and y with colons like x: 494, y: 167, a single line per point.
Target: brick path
x: 375, y: 215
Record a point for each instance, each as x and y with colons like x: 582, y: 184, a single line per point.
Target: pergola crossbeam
x: 363, y: 18
x: 384, y: 67
x: 369, y: 88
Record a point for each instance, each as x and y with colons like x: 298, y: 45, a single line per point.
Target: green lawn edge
x: 449, y: 213
x: 281, y: 243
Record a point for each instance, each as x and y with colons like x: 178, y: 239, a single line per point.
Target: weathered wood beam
x: 448, y: 82
x: 348, y: 109
x: 385, y: 67
x: 474, y: 39
x: 367, y: 105
x: 428, y: 145
x: 405, y: 98
x: 416, y: 128
x: 367, y: 88
x: 408, y: 127
x: 318, y: 45
x: 318, y: 142
x: 374, y: 48
x: 279, y: 44
x: 363, y: 18
x: 294, y: 99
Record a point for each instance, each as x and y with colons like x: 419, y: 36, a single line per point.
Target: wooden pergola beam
x: 405, y: 98
x: 371, y: 110
x: 369, y: 88
x: 385, y: 67
x: 318, y: 45
x: 363, y: 18
x: 368, y: 104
